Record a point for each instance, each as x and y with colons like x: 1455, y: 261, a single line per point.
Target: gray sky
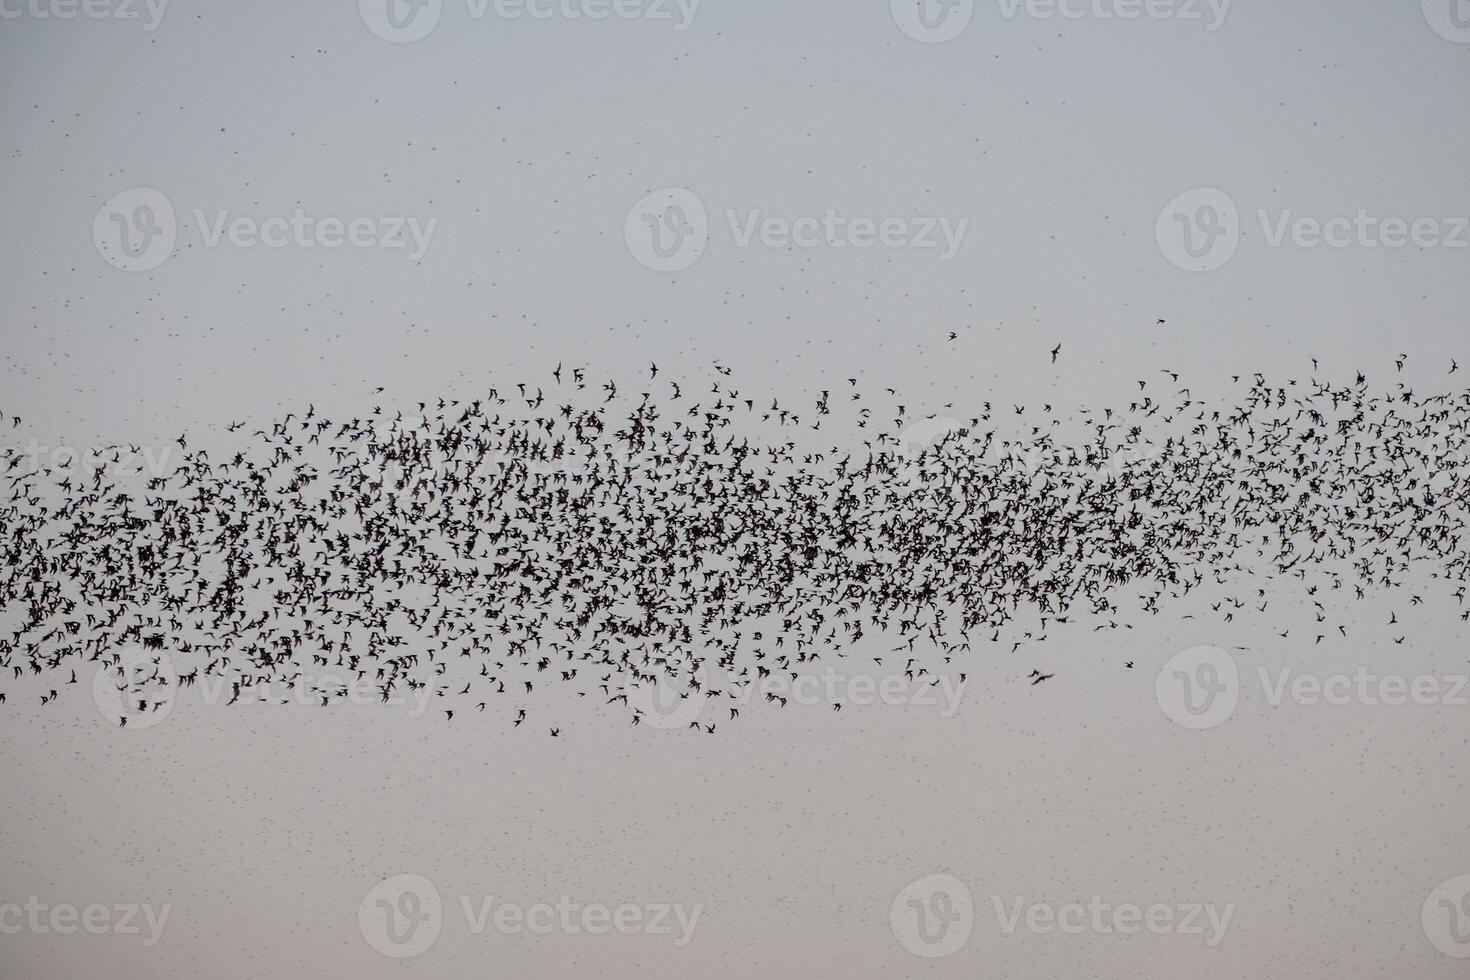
x: 1047, y: 146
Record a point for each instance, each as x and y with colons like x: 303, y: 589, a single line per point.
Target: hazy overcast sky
x: 475, y: 205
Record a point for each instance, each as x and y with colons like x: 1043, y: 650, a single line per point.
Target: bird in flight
x: 673, y: 556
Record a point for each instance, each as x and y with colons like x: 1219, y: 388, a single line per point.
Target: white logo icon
x: 932, y: 21
x: 400, y: 21
x: 1199, y: 230
x: 135, y: 230
x: 670, y: 702
x: 933, y: 916
x: 667, y: 230
x: 919, y: 439
x: 1198, y: 688
x: 137, y: 691
x: 1449, y: 18
x: 402, y: 916
x: 1446, y: 917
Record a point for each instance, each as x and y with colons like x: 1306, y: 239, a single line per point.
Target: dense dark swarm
x: 567, y: 533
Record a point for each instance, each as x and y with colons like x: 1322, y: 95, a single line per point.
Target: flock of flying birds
x: 620, y: 541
